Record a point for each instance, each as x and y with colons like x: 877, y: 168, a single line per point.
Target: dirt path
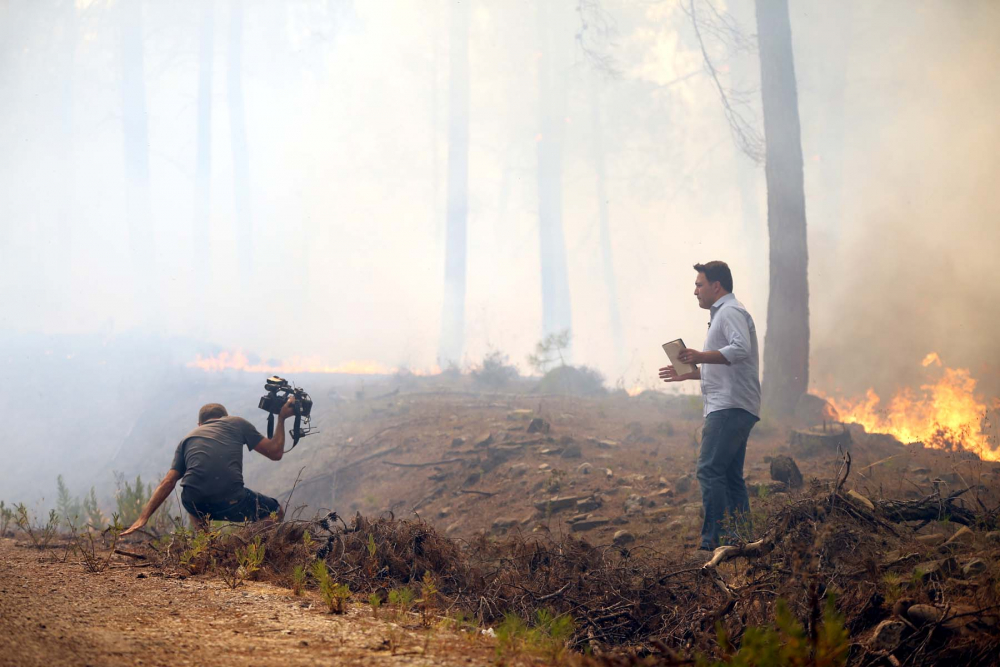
x: 54, y: 613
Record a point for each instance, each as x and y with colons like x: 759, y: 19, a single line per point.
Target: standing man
x: 730, y: 384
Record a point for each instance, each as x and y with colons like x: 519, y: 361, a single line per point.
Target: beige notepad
x: 673, y: 348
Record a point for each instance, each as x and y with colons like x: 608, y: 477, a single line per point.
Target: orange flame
x: 238, y: 361
x: 945, y: 414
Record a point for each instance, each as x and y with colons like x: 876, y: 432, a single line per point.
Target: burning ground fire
x: 238, y: 361
x: 945, y: 414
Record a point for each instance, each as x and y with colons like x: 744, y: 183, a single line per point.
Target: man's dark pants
x: 720, y: 470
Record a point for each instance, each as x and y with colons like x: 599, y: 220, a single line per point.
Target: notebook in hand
x: 673, y: 348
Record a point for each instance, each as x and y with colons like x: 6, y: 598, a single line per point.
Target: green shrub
x: 40, y: 534
x: 786, y: 643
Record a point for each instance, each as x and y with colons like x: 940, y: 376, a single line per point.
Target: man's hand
x: 689, y: 356
x: 669, y: 374
x: 139, y: 523
x: 288, y: 409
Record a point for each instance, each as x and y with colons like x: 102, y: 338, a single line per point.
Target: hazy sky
x: 346, y: 115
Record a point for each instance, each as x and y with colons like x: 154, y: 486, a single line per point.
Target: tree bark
x: 203, y: 166
x: 604, y: 222
x: 238, y: 140
x: 786, y: 346
x: 138, y: 210
x: 453, y: 314
x: 556, y: 311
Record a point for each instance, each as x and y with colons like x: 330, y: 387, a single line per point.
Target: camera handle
x: 295, y: 433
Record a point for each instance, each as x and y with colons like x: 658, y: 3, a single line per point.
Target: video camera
x: 278, y: 390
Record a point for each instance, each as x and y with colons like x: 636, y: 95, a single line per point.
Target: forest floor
x: 614, y: 472
x: 53, y: 613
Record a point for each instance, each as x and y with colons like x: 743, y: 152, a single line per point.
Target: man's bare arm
x: 274, y: 447
x: 162, y: 492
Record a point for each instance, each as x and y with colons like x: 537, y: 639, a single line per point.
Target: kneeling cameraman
x: 209, y: 464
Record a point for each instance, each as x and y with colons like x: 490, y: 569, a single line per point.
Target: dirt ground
x: 53, y: 613
x: 466, y: 462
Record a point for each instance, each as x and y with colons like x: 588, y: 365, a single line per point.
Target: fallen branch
x: 422, y: 465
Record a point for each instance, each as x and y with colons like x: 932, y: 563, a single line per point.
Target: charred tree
x: 135, y: 131
x: 238, y: 141
x: 64, y: 224
x: 203, y: 165
x: 604, y: 222
x: 453, y: 314
x: 786, y: 347
x: 556, y: 312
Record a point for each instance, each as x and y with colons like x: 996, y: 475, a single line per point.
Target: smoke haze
x: 336, y: 250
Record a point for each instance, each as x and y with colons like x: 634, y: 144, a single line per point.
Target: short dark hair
x: 211, y: 411
x: 717, y: 272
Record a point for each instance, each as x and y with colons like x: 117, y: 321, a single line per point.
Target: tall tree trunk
x: 238, y: 142
x: 556, y: 311
x: 138, y: 210
x: 453, y: 315
x: 203, y: 166
x: 786, y: 348
x: 67, y: 160
x: 607, y: 256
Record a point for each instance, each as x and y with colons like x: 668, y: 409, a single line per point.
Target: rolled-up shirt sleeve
x: 737, y: 333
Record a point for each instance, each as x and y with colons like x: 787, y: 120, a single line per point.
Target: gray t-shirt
x: 210, y: 458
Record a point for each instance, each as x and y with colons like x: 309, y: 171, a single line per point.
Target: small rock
x: 572, y: 451
x: 588, y: 524
x: 937, y: 569
x: 683, y: 483
x: 588, y: 504
x: 544, y: 466
x: 503, y: 523
x: 693, y: 509
x: 784, y: 469
x: 859, y: 499
x: 444, y: 511
x: 457, y: 442
x: 518, y: 469
x: 921, y: 614
x: 584, y: 468
x: 623, y: 537
x: 607, y: 444
x: 974, y: 567
x: 484, y: 440
x: 538, y: 425
x: 887, y: 636
x: 964, y: 536
x: 608, y: 473
x: 556, y: 504
x: 663, y: 481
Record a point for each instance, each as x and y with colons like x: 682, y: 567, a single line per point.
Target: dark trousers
x: 720, y: 470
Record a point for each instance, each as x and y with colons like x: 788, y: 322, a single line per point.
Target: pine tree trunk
x: 238, y: 140
x: 556, y: 311
x: 786, y: 347
x: 135, y: 130
x: 604, y: 222
x: 453, y: 314
x: 203, y: 165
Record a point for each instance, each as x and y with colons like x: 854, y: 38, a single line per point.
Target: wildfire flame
x: 946, y: 414
x: 238, y: 361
